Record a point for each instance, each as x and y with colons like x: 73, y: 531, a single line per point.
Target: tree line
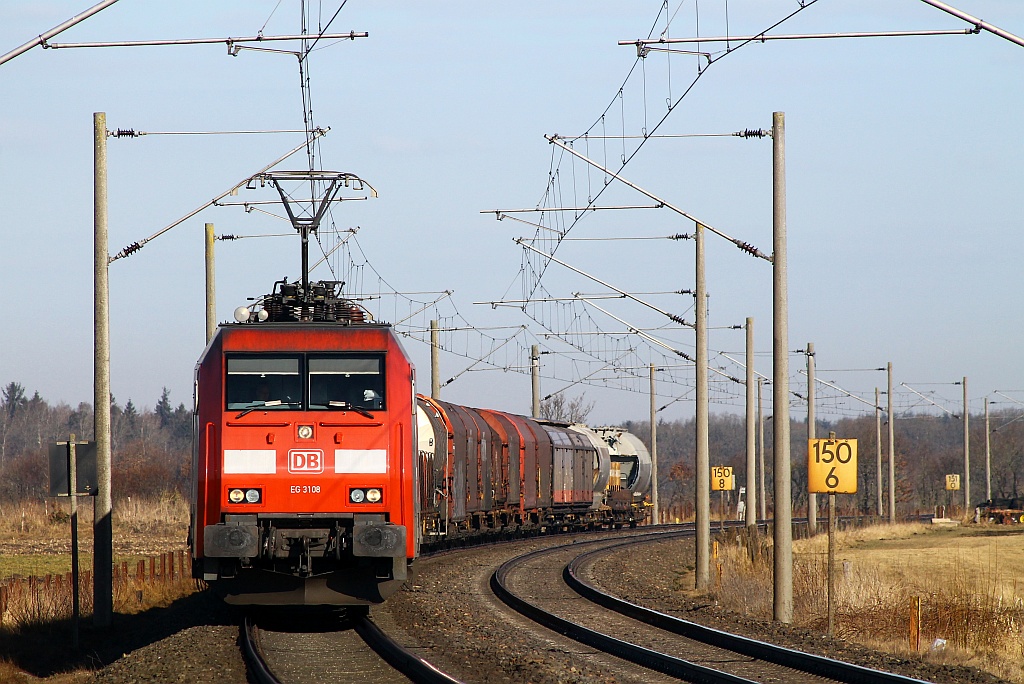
x: 927, y: 448
x: 151, y: 450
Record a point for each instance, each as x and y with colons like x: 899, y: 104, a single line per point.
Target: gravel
x: 449, y: 610
x: 196, y: 639
x: 447, y: 614
x: 660, y: 567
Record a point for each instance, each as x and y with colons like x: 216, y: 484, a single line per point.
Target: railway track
x: 546, y: 586
x: 332, y: 648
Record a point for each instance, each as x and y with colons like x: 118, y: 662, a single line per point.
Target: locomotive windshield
x: 346, y: 381
x: 273, y: 382
x: 330, y: 381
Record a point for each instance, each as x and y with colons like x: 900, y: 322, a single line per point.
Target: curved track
x: 536, y: 585
x: 331, y: 649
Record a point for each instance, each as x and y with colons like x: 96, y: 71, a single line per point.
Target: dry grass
x: 38, y: 606
x: 35, y: 537
x: 35, y: 541
x: 48, y: 518
x: 970, y: 582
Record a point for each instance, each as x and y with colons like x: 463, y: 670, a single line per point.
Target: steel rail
x: 797, y: 660
x: 409, y: 664
x: 660, y: 662
x: 257, y: 665
x: 417, y: 669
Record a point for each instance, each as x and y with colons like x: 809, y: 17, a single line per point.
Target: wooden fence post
x: 915, y: 623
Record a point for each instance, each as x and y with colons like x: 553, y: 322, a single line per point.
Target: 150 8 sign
x: 722, y: 479
x: 832, y: 466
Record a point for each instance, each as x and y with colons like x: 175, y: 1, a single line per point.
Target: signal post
x: 831, y: 469
x: 722, y: 481
x: 952, y: 485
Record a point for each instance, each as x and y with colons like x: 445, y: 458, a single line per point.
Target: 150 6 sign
x: 832, y: 466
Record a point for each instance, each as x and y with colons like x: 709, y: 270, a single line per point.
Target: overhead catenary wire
x: 132, y: 133
x: 444, y: 295
x: 625, y: 159
x: 668, y: 315
x: 978, y: 23
x: 840, y: 389
x: 230, y: 42
x: 277, y: 202
x: 583, y: 379
x: 554, y: 317
x: 677, y: 236
x: 471, y: 366
x: 228, y: 236
x: 649, y: 43
x: 930, y: 401
x: 535, y: 210
x: 744, y: 246
x: 136, y: 246
x: 517, y: 303
x: 46, y: 35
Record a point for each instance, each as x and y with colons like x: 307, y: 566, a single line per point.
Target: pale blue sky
x: 903, y: 157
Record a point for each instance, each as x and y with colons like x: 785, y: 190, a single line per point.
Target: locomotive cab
x: 303, y: 470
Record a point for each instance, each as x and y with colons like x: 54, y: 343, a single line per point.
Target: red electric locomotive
x: 317, y: 472
x: 304, y: 458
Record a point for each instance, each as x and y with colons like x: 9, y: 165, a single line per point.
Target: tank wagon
x: 318, y: 474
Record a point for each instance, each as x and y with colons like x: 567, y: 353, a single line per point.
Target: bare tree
x: 558, y: 408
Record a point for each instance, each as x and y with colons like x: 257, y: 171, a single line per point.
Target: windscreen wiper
x: 261, y: 404
x: 344, y: 405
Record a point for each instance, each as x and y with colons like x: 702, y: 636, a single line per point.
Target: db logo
x: 305, y: 461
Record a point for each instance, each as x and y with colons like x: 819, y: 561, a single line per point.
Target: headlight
x: 373, y: 495
x: 236, y: 496
x: 305, y: 432
x: 252, y: 496
x: 356, y: 495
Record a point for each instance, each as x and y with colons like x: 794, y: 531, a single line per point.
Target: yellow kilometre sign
x: 832, y: 466
x: 721, y: 478
x: 953, y: 483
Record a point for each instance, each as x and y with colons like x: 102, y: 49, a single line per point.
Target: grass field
x: 969, y: 580
x: 35, y: 540
x: 35, y: 537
